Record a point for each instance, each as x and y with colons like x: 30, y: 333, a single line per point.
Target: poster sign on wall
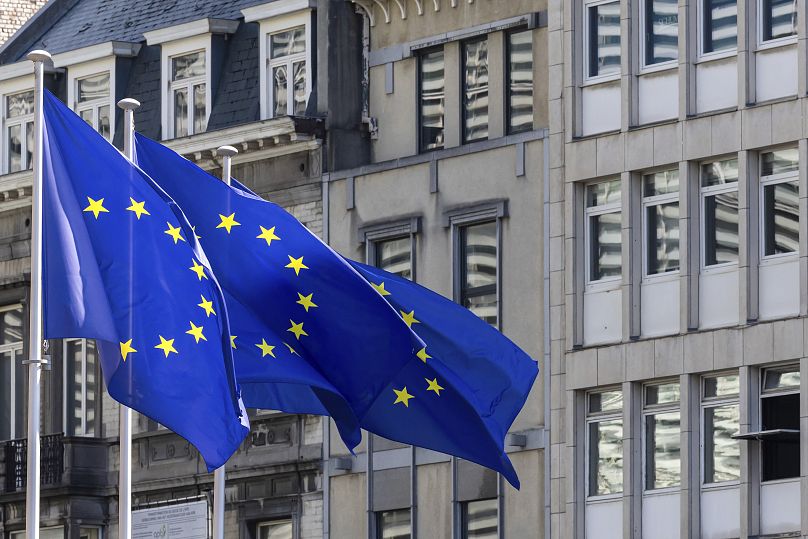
x: 177, y: 521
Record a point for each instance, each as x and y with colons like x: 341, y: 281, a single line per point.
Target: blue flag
x: 465, y: 389
x: 121, y: 265
x: 310, y: 335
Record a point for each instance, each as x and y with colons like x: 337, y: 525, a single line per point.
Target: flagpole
x: 35, y: 306
x: 226, y: 153
x: 125, y: 461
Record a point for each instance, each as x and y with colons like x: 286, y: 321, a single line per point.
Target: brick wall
x: 14, y: 13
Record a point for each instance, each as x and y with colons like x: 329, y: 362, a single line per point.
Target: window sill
x: 661, y: 491
x: 718, y: 269
x: 783, y: 42
x: 725, y: 485
x: 660, y: 277
x: 604, y: 285
x: 604, y: 498
x: 601, y: 80
x: 655, y: 69
x: 716, y: 56
x: 774, y: 260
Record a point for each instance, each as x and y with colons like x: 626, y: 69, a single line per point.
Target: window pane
x: 93, y: 387
x: 719, y: 172
x: 606, y: 401
x: 287, y: 43
x: 606, y: 457
x: 393, y: 524
x: 720, y: 228
x: 475, y: 99
x: 721, y: 386
x: 662, y: 222
x: 720, y: 25
x: 599, y: 194
x: 478, y: 245
x: 661, y: 31
x: 11, y: 326
x: 181, y: 112
x: 520, y: 81
x: 95, y: 87
x: 200, y: 117
x: 299, y: 71
x: 605, y: 244
x: 604, y: 39
x: 20, y: 104
x: 660, y: 183
x: 662, y: 394
x: 87, y: 116
x: 779, y: 161
x: 780, y: 456
x: 188, y: 66
x: 722, y: 454
x: 395, y: 256
x: 662, y: 451
x: 280, y: 96
x: 14, y: 148
x: 29, y: 145
x: 779, y: 19
x: 89, y: 533
x: 480, y: 519
x: 432, y: 96
x: 782, y: 379
x: 103, y: 122
x: 275, y: 530
x: 6, y: 383
x: 484, y: 306
x: 781, y: 218
x: 73, y: 394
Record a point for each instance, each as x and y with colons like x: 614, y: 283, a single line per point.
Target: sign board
x: 177, y: 521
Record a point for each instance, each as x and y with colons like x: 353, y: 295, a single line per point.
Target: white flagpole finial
x: 128, y: 103
x: 38, y: 56
x: 226, y: 151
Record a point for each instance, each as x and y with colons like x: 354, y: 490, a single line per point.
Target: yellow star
x: 126, y: 349
x: 380, y: 288
x: 409, y: 318
x: 96, y: 206
x: 267, y: 234
x: 306, y: 301
x: 291, y: 350
x: 403, y: 397
x: 422, y: 355
x: 296, y: 264
x: 297, y: 329
x: 138, y: 207
x: 196, y: 331
x: 174, y: 233
x: 199, y: 269
x: 433, y: 386
x: 233, y: 341
x: 195, y: 234
x: 266, y: 350
x: 228, y: 222
x: 207, y: 305
x: 166, y: 345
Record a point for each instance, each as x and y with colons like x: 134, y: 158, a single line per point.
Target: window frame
x: 77, y: 72
x: 705, y: 192
x: 652, y: 201
x: 16, y: 349
x: 464, y: 515
x: 21, y: 121
x: 769, y: 393
x: 275, y: 521
x: 188, y: 85
x: 65, y: 384
x: 712, y: 55
x: 419, y: 98
x: 587, y: 56
x: 715, y: 402
x: 596, y: 211
x: 598, y: 417
x: 507, y: 84
x: 378, y: 520
x: 374, y: 233
x: 458, y: 257
x: 174, y: 49
x: 645, y: 67
x: 463, y: 89
x: 649, y: 410
x: 768, y: 181
x: 764, y: 44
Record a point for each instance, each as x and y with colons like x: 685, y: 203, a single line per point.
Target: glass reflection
x: 722, y: 454
x: 395, y: 256
x: 720, y: 228
x: 479, y: 270
x: 605, y: 401
x: 95, y: 87
x: 605, y: 457
x: 781, y: 379
x: 719, y: 173
x: 662, y: 222
x: 181, y: 112
x: 6, y: 404
x: 604, y: 39
x: 662, y: 31
x: 779, y: 162
x: 520, y: 81
x: 662, y: 456
x: 275, y: 530
x: 480, y: 519
x: 661, y: 183
x: 279, y: 91
x: 605, y: 246
x: 781, y: 214
x: 721, y: 386
x: 299, y: 77
x: 662, y: 394
x: 20, y: 104
x: 200, y: 119
x: 720, y: 25
x: 394, y: 524
x: 431, y: 97
x: 288, y: 43
x: 475, y: 85
x: 599, y: 194
x: 779, y: 19
x: 188, y: 66
x: 14, y: 142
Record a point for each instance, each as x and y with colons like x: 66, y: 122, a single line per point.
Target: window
x: 661, y: 30
x: 12, y: 403
x: 719, y: 25
x: 431, y: 100
x: 82, y: 386
x: 480, y: 519
x: 19, y: 131
x: 603, y: 231
x: 394, y: 255
x: 778, y: 19
x: 93, y: 102
x: 602, y: 39
x: 780, y: 424
x: 719, y: 195
x: 475, y: 90
x: 605, y: 443
x: 478, y: 270
x: 661, y: 211
x: 780, y: 201
x: 721, y: 416
x: 520, y: 81
x: 662, y: 436
x: 90, y: 533
x: 276, y: 529
x: 393, y: 524
x: 188, y: 89
x: 288, y: 72
x: 44, y: 533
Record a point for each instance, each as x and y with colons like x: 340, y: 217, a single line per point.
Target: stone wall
x: 14, y: 13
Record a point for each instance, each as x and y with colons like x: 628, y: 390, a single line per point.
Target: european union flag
x: 465, y: 389
x: 310, y: 335
x: 122, y: 266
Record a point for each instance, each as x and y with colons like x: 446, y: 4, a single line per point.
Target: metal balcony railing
x: 52, y: 454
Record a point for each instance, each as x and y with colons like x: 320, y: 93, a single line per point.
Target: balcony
x: 64, y: 461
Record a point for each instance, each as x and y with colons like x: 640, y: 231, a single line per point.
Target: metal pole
x: 226, y: 153
x: 35, y: 306
x: 125, y: 437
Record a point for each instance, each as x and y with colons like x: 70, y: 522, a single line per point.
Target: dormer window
x: 287, y: 67
x: 19, y: 119
x: 93, y: 103
x: 188, y: 94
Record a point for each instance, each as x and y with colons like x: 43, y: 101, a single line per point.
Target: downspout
x: 546, y: 314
